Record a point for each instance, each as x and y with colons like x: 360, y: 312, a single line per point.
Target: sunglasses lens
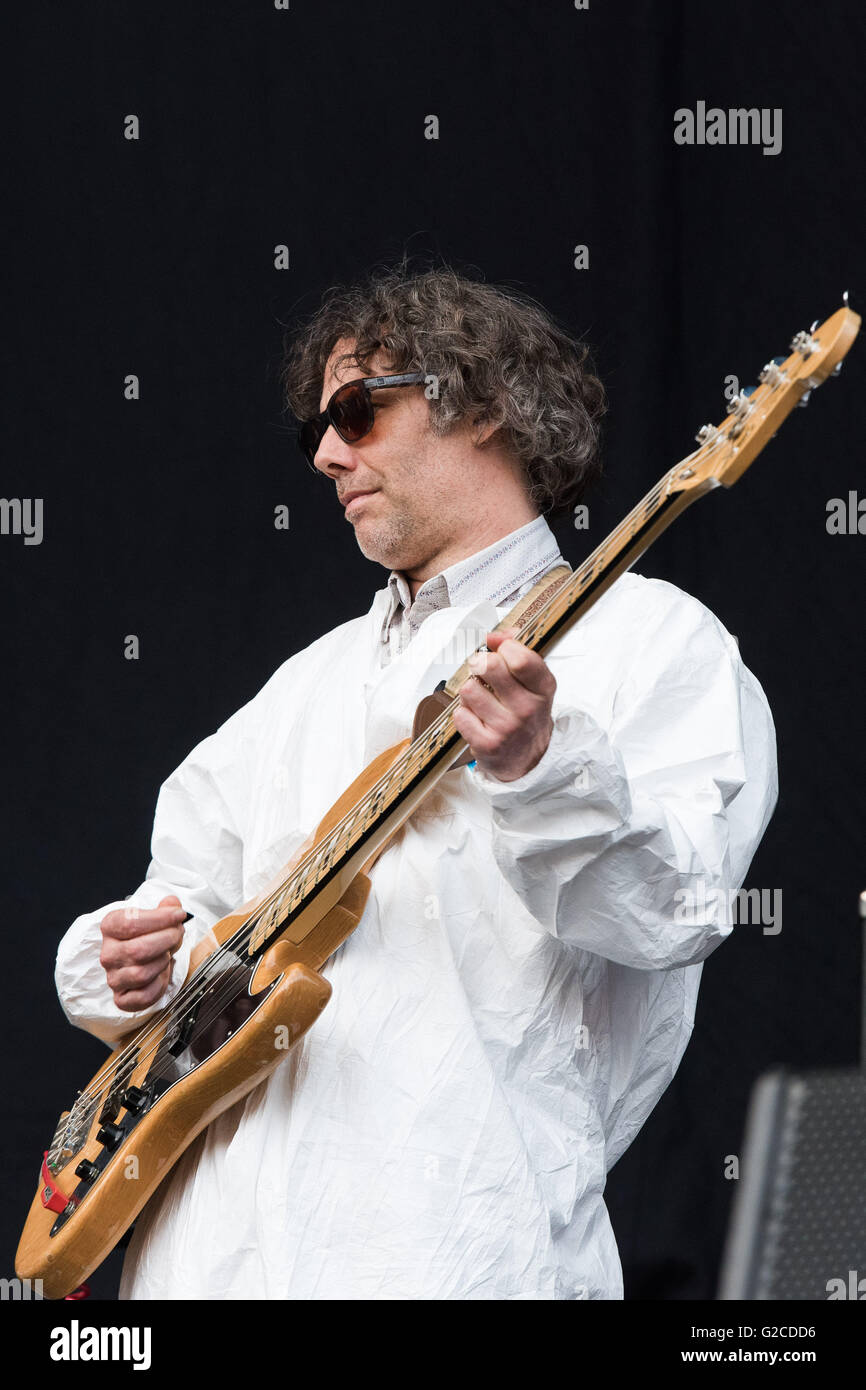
x: 352, y: 413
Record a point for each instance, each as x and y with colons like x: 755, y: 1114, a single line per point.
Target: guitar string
x: 425, y: 745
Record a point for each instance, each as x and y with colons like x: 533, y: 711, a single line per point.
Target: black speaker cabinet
x: 798, y: 1226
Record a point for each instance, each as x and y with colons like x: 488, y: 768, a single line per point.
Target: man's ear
x: 483, y: 432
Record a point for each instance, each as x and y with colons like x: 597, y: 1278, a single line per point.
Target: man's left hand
x: 505, y: 707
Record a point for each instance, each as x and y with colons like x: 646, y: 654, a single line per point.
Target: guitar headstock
x: 755, y: 413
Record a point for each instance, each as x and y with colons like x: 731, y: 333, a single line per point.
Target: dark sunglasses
x: 350, y: 411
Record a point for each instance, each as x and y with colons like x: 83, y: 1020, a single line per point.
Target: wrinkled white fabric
x: 518, y: 994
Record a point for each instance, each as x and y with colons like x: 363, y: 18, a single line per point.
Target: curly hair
x: 498, y: 355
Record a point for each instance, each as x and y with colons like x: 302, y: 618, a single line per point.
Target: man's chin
x: 369, y: 542
x: 375, y: 546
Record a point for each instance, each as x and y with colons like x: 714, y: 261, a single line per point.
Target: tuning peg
x: 771, y: 374
x: 740, y: 407
x: 837, y: 369
x: 804, y: 343
x: 804, y: 399
x: 707, y: 434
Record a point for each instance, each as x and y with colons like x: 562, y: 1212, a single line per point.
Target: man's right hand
x: 137, y: 948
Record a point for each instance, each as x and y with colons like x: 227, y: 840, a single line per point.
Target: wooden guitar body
x: 158, y: 1138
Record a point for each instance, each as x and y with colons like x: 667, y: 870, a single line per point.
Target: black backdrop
x: 305, y: 127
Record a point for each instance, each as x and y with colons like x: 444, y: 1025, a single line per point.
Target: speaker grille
x: 799, y: 1220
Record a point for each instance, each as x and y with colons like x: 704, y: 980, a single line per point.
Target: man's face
x: 416, y: 483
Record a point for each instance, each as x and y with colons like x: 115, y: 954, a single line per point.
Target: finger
x: 488, y: 708
x: 124, y: 923
x: 132, y: 1000
x: 135, y: 977
x: 140, y: 950
x: 491, y: 670
x: 476, y: 734
x: 525, y: 666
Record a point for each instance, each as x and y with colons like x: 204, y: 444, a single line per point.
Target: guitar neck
x: 616, y: 554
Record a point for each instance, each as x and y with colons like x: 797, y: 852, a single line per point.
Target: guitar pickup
x: 111, y: 1108
x: 181, y: 1042
x: 114, y: 1099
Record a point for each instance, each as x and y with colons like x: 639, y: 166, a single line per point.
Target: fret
x: 403, y: 766
x: 340, y: 839
x: 346, y: 836
x: 258, y: 935
x: 318, y: 871
x: 588, y: 573
x: 432, y: 736
x: 365, y: 820
x: 266, y: 923
x: 295, y: 896
x: 302, y: 885
x: 350, y: 830
x: 378, y: 800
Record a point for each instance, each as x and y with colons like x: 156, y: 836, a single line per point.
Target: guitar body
x: 107, y: 1207
x: 255, y: 1013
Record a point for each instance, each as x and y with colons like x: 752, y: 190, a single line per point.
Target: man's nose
x: 334, y: 455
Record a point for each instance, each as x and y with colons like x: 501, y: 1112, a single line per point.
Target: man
x: 522, y: 985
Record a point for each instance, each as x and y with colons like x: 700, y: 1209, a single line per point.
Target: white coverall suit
x: 522, y: 984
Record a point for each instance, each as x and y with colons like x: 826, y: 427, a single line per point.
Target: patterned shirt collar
x: 494, y: 574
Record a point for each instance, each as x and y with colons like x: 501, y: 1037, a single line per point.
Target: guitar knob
x: 134, y: 1100
x: 109, y: 1136
x: 87, y: 1171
